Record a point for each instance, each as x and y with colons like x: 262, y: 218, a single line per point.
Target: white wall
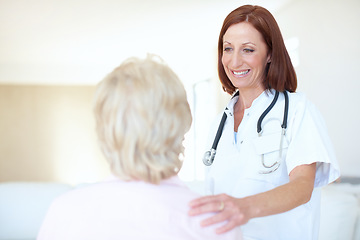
x: 328, y: 52
x: 329, y: 67
x: 47, y: 133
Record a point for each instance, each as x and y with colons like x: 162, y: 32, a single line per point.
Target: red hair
x: 279, y: 72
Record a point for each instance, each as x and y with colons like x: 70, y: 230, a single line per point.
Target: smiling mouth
x: 241, y: 73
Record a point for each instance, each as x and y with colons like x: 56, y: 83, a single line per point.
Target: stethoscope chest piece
x: 209, y: 157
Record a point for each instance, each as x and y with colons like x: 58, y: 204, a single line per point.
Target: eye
x: 248, y: 50
x: 227, y: 49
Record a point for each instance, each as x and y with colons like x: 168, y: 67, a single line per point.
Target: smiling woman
x: 245, y: 57
x: 254, y: 182
x: 265, y: 47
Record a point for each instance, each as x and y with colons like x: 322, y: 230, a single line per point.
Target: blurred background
x: 53, y: 53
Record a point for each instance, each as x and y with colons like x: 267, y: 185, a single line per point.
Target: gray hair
x: 142, y: 115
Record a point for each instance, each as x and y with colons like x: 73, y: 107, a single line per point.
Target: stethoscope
x: 209, y: 156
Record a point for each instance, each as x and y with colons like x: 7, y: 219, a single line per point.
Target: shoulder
x: 300, y: 103
x: 298, y: 98
x: 157, y: 207
x: 73, y: 200
x: 193, y: 224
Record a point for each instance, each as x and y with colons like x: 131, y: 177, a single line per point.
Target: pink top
x: 115, y: 209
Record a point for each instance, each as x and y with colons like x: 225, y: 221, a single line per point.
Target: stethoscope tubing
x: 267, y: 110
x: 219, y: 131
x: 209, y: 156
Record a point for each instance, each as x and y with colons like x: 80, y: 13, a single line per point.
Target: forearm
x: 280, y: 199
x: 238, y: 211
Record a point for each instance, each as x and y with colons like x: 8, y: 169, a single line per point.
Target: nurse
x: 282, y: 201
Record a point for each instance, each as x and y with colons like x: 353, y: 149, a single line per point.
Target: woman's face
x: 245, y: 56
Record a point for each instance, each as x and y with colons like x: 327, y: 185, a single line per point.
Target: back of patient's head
x: 142, y: 114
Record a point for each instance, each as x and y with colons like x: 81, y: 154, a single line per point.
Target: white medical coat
x: 235, y: 170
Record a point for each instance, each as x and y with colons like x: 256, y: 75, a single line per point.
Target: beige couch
x: 340, y: 212
x: 23, y: 206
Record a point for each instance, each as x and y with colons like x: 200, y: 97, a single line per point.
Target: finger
x: 233, y: 221
x: 227, y: 227
x: 214, y: 206
x: 203, y: 200
x: 217, y: 218
x: 222, y: 206
x: 207, y: 199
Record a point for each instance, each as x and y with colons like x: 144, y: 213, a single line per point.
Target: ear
x: 268, y: 59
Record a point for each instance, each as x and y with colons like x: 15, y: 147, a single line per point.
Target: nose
x: 236, y: 60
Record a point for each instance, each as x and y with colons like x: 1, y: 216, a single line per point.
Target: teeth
x: 241, y: 73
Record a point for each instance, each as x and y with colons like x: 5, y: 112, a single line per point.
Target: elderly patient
x: 141, y: 115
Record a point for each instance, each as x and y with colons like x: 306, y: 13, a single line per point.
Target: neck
x: 246, y: 98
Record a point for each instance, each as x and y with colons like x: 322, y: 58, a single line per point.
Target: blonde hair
x: 142, y: 115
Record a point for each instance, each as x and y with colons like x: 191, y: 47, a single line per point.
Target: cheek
x: 259, y: 63
x: 224, y: 61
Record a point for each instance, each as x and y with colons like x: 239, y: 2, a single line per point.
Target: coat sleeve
x: 309, y: 143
